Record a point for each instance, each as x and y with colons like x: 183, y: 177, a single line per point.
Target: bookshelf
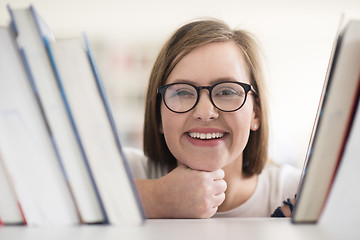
x: 180, y: 229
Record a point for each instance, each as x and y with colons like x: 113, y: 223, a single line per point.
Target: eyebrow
x: 214, y: 81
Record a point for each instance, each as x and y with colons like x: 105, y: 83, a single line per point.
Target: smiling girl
x: 206, y: 130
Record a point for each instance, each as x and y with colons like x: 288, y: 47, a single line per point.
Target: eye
x: 181, y: 91
x: 226, y: 92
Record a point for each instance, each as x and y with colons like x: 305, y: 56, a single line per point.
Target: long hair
x: 187, y: 38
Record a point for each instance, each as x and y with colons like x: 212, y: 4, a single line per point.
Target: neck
x: 240, y: 186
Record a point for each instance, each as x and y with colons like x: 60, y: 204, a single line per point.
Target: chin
x: 206, y: 166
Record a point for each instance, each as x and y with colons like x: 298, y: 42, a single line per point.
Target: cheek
x: 170, y: 123
x: 166, y: 119
x: 241, y: 130
x: 241, y: 126
x: 244, y: 117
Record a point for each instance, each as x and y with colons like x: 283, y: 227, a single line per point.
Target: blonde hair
x: 187, y: 38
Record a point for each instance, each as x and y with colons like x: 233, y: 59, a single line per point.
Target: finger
x: 214, y: 210
x: 219, y: 199
x: 219, y: 186
x: 211, y: 212
x: 218, y: 174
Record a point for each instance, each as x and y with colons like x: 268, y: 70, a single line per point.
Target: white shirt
x: 275, y: 184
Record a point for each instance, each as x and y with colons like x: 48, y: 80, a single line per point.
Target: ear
x: 255, y: 119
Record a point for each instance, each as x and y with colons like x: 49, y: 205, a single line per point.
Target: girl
x: 206, y: 130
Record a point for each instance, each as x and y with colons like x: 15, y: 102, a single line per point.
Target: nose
x: 205, y: 110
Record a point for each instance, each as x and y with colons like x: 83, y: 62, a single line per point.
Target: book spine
x: 113, y: 125
x: 46, y: 43
x: 43, y: 29
x: 76, y: 132
x: 317, y: 123
x: 12, y: 22
x: 45, y: 121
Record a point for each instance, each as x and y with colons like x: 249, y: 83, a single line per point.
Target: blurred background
x: 126, y: 36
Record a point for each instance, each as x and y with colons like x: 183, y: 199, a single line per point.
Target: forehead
x: 209, y: 63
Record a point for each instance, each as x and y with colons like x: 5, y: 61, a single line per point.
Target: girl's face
x: 205, y: 66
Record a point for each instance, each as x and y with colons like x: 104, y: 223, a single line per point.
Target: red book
x: 332, y: 126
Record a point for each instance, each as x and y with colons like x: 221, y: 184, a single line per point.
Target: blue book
x: 95, y: 126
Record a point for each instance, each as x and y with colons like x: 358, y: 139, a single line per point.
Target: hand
x: 183, y: 193
x: 286, y: 209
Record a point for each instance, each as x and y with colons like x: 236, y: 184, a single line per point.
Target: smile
x: 206, y: 136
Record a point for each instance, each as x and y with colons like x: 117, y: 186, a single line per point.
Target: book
x: 10, y: 208
x: 91, y: 114
x: 26, y: 139
x: 33, y: 33
x: 342, y: 204
x: 327, y: 76
x: 131, y: 201
x: 333, y: 123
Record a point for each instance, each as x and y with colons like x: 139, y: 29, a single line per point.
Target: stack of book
x: 61, y: 161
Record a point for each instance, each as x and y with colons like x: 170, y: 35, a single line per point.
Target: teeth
x: 206, y: 135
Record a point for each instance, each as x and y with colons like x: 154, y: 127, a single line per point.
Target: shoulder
x: 141, y: 166
x: 137, y: 162
x: 282, y: 180
x: 275, y: 184
x: 282, y: 172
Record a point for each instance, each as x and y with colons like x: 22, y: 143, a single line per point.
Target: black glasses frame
x: 247, y: 87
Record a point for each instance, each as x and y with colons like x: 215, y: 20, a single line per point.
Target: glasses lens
x: 180, y: 97
x: 228, y: 96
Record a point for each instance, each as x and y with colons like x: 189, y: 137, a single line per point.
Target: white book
x: 10, y: 209
x: 95, y: 126
x: 72, y: 158
x: 26, y: 141
x: 32, y: 33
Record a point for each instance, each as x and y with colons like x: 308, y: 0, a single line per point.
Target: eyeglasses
x: 226, y: 96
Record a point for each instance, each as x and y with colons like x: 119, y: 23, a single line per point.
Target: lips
x: 206, y: 136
